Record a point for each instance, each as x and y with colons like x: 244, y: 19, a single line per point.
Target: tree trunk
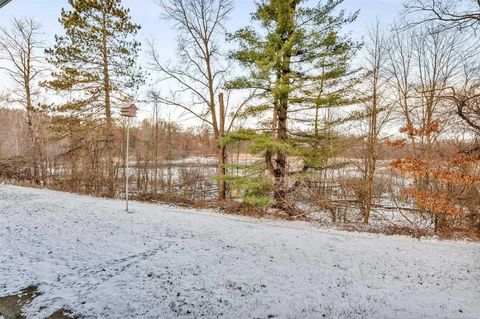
x: 280, y: 187
x: 369, y: 193
x: 108, y: 115
x: 221, y: 157
x: 268, y: 152
x: 221, y: 151
x: 155, y: 163
x: 371, y: 156
x: 281, y: 159
x: 282, y: 95
x: 34, y: 147
x: 31, y: 129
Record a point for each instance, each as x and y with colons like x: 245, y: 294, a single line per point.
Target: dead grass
x: 234, y: 207
x: 11, y: 307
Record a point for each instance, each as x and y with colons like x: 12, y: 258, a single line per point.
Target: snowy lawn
x: 86, y: 254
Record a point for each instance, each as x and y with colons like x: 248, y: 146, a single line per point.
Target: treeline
x: 58, y: 166
x: 301, y: 117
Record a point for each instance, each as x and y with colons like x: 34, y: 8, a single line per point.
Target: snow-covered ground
x: 88, y: 255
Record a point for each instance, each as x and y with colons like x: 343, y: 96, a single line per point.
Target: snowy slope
x: 87, y: 255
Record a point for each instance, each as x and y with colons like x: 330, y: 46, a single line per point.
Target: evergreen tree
x: 96, y: 66
x: 300, y: 61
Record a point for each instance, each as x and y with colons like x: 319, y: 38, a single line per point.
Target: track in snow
x: 87, y: 255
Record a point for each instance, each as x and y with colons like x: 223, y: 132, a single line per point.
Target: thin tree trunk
x: 155, y: 163
x: 33, y: 149
x: 371, y: 149
x: 221, y: 154
x: 31, y: 128
x: 281, y: 159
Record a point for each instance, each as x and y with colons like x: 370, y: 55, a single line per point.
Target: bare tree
x: 450, y: 14
x: 19, y: 49
x: 468, y: 106
x: 466, y: 103
x: 378, y: 109
x: 422, y: 67
x: 200, y: 74
x: 438, y: 63
x: 155, y: 97
x: 401, y: 65
x: 454, y: 14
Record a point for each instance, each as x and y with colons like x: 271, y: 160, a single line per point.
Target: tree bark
x: 155, y: 163
x: 221, y: 151
x: 281, y: 158
x: 108, y: 114
x: 280, y: 187
x: 371, y: 147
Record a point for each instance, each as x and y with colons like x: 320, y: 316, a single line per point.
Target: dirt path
x: 11, y: 306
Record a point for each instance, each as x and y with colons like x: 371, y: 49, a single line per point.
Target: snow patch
x: 87, y: 255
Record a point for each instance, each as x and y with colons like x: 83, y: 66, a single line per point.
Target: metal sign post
x: 126, y: 166
x: 128, y: 112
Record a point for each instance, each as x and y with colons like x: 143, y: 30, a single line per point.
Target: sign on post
x: 129, y: 112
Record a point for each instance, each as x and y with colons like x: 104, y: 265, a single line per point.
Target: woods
x: 287, y: 115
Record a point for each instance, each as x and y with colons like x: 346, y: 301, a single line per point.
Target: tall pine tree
x: 300, y: 60
x: 95, y: 65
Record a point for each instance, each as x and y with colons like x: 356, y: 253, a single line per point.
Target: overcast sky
x: 146, y: 13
